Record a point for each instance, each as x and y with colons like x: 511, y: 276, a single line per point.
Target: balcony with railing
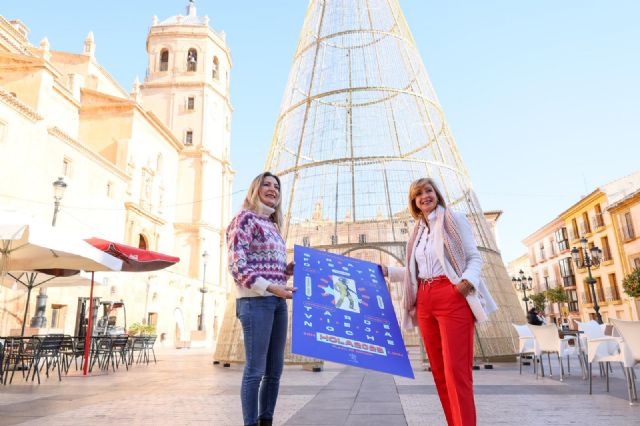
x: 573, y: 306
x: 573, y: 235
x: 551, y: 282
x: 569, y: 281
x: 600, y: 293
x: 611, y: 295
x: 585, y: 299
x: 628, y: 233
x: 585, y: 229
x: 606, y: 254
x: 541, y: 256
x: 597, y: 222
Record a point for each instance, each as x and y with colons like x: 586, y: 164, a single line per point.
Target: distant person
x: 441, y: 280
x: 258, y: 264
x: 533, y: 318
x: 542, y: 318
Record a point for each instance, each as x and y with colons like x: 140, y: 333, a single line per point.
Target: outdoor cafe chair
x: 593, y: 330
x: 603, y: 350
x: 630, y: 347
x: 101, y: 352
x: 119, y: 347
x: 7, y: 354
x: 72, y: 349
x: 46, y: 354
x: 548, y: 341
x: 2, y: 346
x: 148, y: 346
x: 18, y: 355
x: 136, y: 344
x: 1, y: 360
x: 143, y: 345
x: 526, y: 344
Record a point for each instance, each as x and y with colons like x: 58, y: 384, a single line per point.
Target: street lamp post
x: 203, y: 290
x: 59, y: 186
x: 39, y: 320
x: 590, y: 258
x: 523, y: 284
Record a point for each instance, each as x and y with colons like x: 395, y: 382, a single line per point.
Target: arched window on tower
x: 216, y: 68
x: 159, y: 164
x: 164, y: 60
x: 142, y: 242
x: 192, y: 60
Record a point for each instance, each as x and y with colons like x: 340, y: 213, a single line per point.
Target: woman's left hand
x: 289, y: 270
x: 465, y: 288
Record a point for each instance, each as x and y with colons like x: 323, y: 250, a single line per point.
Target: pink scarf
x: 453, y: 250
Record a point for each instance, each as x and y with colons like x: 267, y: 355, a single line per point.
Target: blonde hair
x: 413, y: 191
x: 252, y: 200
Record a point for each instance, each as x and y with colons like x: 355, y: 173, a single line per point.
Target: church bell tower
x: 187, y: 88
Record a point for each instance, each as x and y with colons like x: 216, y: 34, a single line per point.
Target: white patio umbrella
x: 33, y: 246
x: 30, y: 246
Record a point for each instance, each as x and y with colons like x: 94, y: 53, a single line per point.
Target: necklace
x: 424, y: 250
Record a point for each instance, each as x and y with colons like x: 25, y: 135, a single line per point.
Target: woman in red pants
x: 441, y: 286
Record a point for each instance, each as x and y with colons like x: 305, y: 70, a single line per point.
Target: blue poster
x: 342, y: 312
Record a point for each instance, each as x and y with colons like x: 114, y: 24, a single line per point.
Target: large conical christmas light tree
x: 358, y: 123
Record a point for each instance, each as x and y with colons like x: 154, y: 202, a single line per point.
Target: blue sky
x: 543, y: 97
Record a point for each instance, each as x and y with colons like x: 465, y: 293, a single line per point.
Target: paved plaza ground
x: 184, y: 388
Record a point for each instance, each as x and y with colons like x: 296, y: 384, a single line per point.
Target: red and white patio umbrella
x: 133, y: 260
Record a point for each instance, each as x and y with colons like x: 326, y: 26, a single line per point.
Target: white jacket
x: 481, y: 302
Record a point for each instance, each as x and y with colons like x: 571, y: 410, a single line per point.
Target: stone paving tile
x: 386, y: 420
x: 378, y: 397
x: 377, y: 408
x: 326, y: 416
x: 183, y: 388
x: 320, y: 404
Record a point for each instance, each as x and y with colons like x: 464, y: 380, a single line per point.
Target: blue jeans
x: 264, y: 324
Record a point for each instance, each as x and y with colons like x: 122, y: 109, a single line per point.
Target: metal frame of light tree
x: 359, y: 121
x: 425, y: 106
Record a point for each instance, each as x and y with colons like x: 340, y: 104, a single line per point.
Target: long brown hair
x: 253, y: 197
x: 413, y: 192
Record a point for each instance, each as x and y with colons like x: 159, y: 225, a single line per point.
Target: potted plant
x: 631, y: 283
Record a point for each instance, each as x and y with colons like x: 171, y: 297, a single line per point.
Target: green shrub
x: 141, y: 329
x: 539, y: 301
x: 557, y: 295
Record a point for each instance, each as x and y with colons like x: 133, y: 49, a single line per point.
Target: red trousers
x: 446, y: 324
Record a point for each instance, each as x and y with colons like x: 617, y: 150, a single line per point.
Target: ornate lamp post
x: 203, y: 289
x: 523, y: 284
x: 39, y: 320
x: 59, y: 186
x: 590, y: 258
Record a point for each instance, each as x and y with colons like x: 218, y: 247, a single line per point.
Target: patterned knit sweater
x: 257, y: 254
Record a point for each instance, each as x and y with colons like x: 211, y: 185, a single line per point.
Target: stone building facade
x: 149, y: 168
x: 606, y: 218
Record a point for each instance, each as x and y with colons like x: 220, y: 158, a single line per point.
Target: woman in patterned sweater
x: 258, y: 264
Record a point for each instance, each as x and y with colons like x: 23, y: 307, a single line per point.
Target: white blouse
x: 425, y: 252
